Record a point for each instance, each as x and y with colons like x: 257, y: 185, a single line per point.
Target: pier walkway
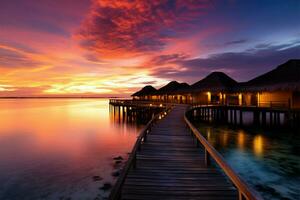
x: 169, y: 165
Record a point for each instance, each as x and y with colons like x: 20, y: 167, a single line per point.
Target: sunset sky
x: 113, y: 48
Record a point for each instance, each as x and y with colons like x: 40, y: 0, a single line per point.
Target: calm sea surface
x: 64, y: 149
x: 267, y: 161
x: 59, y: 148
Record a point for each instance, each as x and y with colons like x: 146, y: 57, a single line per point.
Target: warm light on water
x: 52, y: 148
x: 258, y: 145
x: 267, y: 161
x: 241, y: 140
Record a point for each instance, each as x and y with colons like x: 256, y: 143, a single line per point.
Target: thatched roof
x: 147, y: 90
x: 173, y: 87
x: 216, y: 81
x: 181, y: 89
x: 285, y: 77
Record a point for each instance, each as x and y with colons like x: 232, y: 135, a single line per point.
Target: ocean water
x: 60, y: 148
x: 269, y: 161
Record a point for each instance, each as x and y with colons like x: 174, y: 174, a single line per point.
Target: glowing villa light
x: 150, y: 104
x: 160, y: 105
x: 208, y: 97
x: 240, y: 99
x: 208, y: 134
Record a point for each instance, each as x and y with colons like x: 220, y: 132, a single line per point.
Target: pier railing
x: 129, y: 102
x: 131, y: 162
x: 284, y: 105
x: 245, y: 192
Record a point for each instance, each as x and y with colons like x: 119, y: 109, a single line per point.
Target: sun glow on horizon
x: 117, y: 47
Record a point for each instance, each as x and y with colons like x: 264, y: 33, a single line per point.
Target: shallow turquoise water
x: 267, y: 161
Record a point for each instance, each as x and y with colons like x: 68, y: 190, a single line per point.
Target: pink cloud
x: 122, y: 28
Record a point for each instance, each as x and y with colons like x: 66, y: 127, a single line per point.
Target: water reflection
x: 241, y: 140
x: 268, y: 161
x: 52, y: 148
x: 258, y: 145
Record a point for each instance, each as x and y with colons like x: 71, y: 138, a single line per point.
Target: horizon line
x: 58, y: 97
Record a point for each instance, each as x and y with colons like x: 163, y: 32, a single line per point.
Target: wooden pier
x: 172, y: 160
x: 131, y: 112
x: 265, y: 117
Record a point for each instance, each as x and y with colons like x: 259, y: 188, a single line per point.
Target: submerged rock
x: 106, y: 186
x: 116, y: 173
x: 118, y: 158
x: 97, y: 178
x: 118, y: 162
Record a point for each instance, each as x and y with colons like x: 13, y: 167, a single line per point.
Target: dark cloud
x: 48, y: 16
x: 14, y: 59
x: 92, y: 57
x: 236, y: 42
x: 136, y: 26
x: 149, y: 82
x: 171, y: 58
x: 18, y: 45
x: 240, y: 65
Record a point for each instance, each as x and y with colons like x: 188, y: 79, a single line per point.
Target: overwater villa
x: 173, y: 92
x: 213, y: 89
x: 279, y: 87
x: 146, y: 93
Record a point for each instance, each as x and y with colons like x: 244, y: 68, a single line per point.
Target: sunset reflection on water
x: 53, y: 147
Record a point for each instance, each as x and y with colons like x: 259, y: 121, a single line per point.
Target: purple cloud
x: 15, y: 59
x: 242, y: 66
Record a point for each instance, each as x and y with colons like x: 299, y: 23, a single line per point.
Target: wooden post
x: 275, y: 118
x: 134, y: 161
x: 119, y: 114
x: 241, y: 117
x: 256, y: 117
x: 207, y: 158
x: 201, y: 114
x: 145, y: 137
x: 263, y: 118
x: 278, y: 118
x: 241, y: 196
x: 235, y: 117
